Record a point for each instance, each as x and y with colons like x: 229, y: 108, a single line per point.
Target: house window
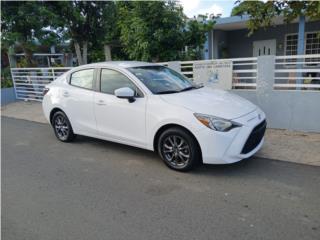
x: 291, y: 44
x: 313, y: 43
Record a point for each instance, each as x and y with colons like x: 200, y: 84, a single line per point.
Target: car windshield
x: 162, y: 80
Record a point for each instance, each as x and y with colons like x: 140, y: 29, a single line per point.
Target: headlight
x: 215, y: 123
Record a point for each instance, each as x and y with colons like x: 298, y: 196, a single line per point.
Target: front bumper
x: 228, y: 147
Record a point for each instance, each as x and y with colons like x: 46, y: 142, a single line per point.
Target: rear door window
x: 83, y: 78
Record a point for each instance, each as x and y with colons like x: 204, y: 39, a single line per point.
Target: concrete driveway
x: 93, y: 189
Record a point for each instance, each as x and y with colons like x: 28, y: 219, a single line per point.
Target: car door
x: 78, y: 96
x: 117, y: 118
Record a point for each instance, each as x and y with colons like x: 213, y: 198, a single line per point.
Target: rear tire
x: 62, y: 127
x: 179, y: 149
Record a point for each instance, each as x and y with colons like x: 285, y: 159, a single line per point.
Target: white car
x: 153, y: 107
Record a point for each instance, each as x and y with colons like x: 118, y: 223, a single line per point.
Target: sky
x: 194, y: 7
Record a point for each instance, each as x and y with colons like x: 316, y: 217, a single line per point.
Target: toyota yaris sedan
x: 153, y: 107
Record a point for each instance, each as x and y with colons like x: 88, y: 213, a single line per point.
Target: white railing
x: 244, y: 71
x: 299, y: 72
x: 29, y: 82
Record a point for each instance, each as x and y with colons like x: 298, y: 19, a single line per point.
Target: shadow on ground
x: 246, y: 167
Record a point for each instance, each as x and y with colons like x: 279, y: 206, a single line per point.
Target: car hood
x: 213, y: 102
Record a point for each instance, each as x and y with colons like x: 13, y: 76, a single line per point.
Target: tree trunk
x: 85, y: 52
x: 78, y: 53
x: 82, y: 58
x: 107, y: 52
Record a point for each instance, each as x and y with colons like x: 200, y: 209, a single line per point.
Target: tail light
x: 45, y: 91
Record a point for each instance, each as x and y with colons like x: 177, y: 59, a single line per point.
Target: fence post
x: 265, y: 75
x: 175, y: 65
x: 14, y: 82
x: 264, y: 92
x: 301, y: 44
x: 53, y: 75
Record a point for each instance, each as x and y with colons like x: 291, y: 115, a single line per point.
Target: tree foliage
x: 83, y: 21
x: 23, y: 23
x: 262, y: 13
x: 159, y: 31
x: 195, y: 35
x: 151, y: 30
x: 134, y: 30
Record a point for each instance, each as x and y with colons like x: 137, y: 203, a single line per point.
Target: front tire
x: 62, y: 127
x: 179, y: 149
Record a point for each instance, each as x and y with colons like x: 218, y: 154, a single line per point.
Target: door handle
x: 101, y: 102
x: 66, y: 94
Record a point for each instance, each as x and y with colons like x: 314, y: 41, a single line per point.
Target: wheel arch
x: 171, y: 125
x: 53, y: 111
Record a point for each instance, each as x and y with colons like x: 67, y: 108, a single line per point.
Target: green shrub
x: 6, y: 81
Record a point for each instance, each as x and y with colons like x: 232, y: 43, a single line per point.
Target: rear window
x: 82, y: 78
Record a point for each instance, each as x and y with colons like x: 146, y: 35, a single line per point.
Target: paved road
x: 92, y: 189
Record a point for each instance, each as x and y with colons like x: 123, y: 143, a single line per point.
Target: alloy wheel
x: 176, y: 151
x: 61, y: 127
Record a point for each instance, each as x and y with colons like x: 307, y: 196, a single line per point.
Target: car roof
x: 121, y: 64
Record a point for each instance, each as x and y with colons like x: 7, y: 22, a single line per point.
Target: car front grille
x: 255, y: 137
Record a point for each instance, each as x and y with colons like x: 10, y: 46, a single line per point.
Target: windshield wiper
x: 191, y: 87
x: 167, y: 92
x: 182, y: 90
x: 187, y: 88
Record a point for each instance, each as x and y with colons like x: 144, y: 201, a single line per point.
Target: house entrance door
x: 264, y: 47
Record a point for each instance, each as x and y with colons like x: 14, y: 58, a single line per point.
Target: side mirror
x: 125, y: 92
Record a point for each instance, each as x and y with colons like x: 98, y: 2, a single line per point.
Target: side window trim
x: 94, y: 77
x: 99, y: 73
x: 98, y: 80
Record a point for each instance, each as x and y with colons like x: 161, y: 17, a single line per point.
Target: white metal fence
x: 29, y: 82
x: 244, y: 71
x: 297, y: 72
x: 301, y: 72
